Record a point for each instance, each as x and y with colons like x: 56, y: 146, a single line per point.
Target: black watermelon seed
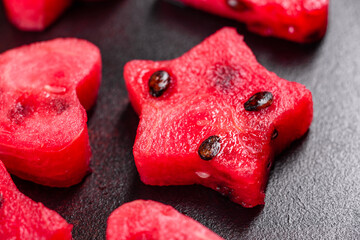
x: 238, y: 5
x: 274, y: 134
x: 259, y: 101
x: 209, y: 148
x: 158, y: 83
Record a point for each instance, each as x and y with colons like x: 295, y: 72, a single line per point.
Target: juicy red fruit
x: 22, y: 218
x: 149, y: 220
x: 34, y: 15
x: 45, y: 89
x: 296, y: 20
x: 219, y: 123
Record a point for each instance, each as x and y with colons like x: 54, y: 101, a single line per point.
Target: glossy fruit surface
x: 45, y: 89
x: 206, y: 100
x: 34, y: 15
x: 149, y: 220
x: 296, y: 20
x: 22, y: 218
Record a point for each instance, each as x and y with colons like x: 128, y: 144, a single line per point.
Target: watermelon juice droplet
x: 55, y: 89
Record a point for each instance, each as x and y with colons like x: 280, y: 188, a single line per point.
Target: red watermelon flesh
x: 296, y: 20
x: 199, y: 132
x: 149, y: 220
x: 44, y: 90
x: 34, y: 15
x: 22, y: 218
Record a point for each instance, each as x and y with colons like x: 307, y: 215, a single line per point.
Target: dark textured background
x: 314, y: 187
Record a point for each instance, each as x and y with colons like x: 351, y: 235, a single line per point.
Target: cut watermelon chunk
x: 217, y: 118
x: 34, y: 15
x: 149, y: 220
x: 44, y: 88
x: 22, y: 218
x: 296, y: 20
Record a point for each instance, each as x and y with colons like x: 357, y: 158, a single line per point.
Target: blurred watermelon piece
x: 34, y: 15
x: 215, y: 117
x: 45, y: 89
x: 301, y: 21
x: 22, y: 218
x: 149, y: 220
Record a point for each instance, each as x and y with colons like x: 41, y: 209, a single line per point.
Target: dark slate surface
x: 313, y: 190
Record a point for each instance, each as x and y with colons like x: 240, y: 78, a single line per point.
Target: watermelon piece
x: 44, y: 90
x: 22, y: 218
x: 34, y: 15
x: 215, y: 117
x: 301, y: 21
x: 149, y: 220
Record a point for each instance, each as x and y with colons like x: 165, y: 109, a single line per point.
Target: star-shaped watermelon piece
x: 301, y: 21
x: 215, y: 117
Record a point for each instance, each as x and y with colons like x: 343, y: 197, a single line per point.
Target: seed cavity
x: 59, y: 105
x: 224, y: 77
x: 209, y: 148
x: 274, y: 134
x: 203, y: 175
x: 18, y: 114
x: 238, y: 5
x: 259, y: 101
x: 158, y: 83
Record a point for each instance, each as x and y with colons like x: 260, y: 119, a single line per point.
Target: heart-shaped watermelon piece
x: 22, y: 218
x: 44, y: 90
x: 149, y: 220
x: 301, y: 21
x: 34, y: 15
x: 215, y: 117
